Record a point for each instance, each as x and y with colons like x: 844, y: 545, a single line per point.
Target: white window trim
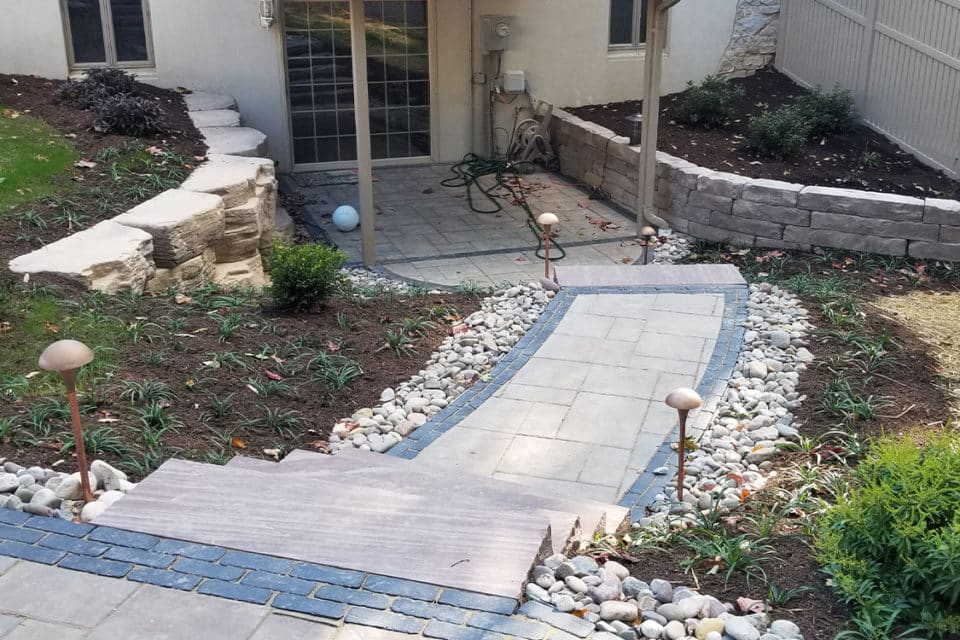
x: 635, y: 31
x: 109, y: 45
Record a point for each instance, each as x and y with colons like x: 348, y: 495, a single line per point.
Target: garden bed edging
x: 755, y: 212
x: 212, y: 228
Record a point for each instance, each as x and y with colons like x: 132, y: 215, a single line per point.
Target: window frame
x: 109, y: 42
x: 638, y: 36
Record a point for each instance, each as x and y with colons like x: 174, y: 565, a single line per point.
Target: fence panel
x: 900, y: 59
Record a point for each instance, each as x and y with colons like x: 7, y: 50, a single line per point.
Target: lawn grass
x: 31, y: 154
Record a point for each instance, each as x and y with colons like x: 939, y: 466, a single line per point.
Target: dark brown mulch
x: 186, y: 348
x: 830, y: 163
x: 818, y: 612
x: 83, y: 187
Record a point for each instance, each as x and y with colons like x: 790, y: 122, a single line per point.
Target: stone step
x: 235, y: 141
x: 206, y: 101
x: 595, y: 517
x: 648, y: 275
x: 365, y: 472
x: 215, y: 118
x: 433, y: 539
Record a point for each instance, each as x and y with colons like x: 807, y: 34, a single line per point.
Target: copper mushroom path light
x: 647, y: 233
x: 67, y: 356
x: 683, y: 400
x: 547, y: 220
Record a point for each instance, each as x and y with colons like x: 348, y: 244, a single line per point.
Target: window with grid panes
x: 628, y: 24
x: 111, y: 33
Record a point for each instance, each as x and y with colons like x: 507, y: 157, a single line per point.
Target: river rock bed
x: 626, y: 608
x: 46, y: 492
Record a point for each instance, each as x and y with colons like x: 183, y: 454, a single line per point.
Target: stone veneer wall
x: 725, y: 207
x: 214, y: 227
x: 753, y: 44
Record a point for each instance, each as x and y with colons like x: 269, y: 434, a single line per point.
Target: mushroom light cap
x: 65, y: 355
x: 683, y: 399
x: 648, y: 231
x: 547, y: 219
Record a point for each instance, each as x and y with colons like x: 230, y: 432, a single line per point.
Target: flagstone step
x: 648, y: 275
x: 564, y: 526
x: 433, y: 538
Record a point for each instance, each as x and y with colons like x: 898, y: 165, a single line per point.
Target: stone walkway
x: 428, y: 232
x: 584, y: 415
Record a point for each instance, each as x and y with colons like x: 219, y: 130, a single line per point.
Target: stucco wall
x: 32, y: 38
x: 724, y: 207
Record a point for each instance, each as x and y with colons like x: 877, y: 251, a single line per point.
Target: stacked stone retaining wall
x: 753, y: 212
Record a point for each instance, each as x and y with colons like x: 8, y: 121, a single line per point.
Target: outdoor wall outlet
x: 514, y: 81
x: 496, y: 32
x: 479, y: 77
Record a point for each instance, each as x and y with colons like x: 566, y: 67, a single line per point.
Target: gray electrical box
x: 496, y: 32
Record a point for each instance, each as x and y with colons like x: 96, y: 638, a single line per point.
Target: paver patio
x: 428, y: 232
x: 584, y: 415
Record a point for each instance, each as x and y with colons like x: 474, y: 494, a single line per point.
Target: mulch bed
x: 828, y: 163
x: 294, y: 339
x: 34, y: 96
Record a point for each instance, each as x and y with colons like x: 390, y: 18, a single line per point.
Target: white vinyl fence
x: 901, y: 58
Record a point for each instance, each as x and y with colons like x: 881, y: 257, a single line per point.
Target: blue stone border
x: 711, y: 387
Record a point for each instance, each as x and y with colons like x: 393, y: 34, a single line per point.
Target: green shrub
x: 828, y: 113
x: 710, y: 103
x: 893, y: 545
x: 130, y: 116
x: 780, y: 133
x: 304, y: 274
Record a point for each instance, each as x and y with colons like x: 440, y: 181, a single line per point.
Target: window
x: 108, y: 32
x: 628, y: 23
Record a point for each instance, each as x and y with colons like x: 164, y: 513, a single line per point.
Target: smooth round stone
x: 650, y: 629
x: 675, y: 630
x: 662, y: 590
x: 92, y: 510
x: 45, y: 498
x: 565, y: 570
x: 617, y: 610
x: 606, y: 590
x: 564, y: 603
x: 591, y: 581
x: 584, y: 565
x: 741, y: 629
x: 785, y: 629
x: 671, y: 611
x: 9, y: 482
x: 11, y: 502
x: 632, y: 586
x: 617, y: 569
x: 575, y: 584
x: 536, y: 592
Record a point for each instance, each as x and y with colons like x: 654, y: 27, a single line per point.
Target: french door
x: 320, y: 80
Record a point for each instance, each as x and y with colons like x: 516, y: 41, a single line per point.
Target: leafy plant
x: 272, y: 388
x: 282, y: 421
x: 343, y: 322
x: 130, y: 116
x: 304, y: 275
x: 416, y: 326
x: 9, y: 429
x: 230, y: 325
x: 338, y: 378
x: 709, y: 104
x: 155, y: 417
x: 781, y: 597
x: 398, y: 341
x: 742, y: 553
x: 472, y: 288
x: 828, y: 113
x: 892, y: 546
x: 218, y: 407
x: 779, y: 134
x: 146, y: 392
x: 153, y: 358
x: 99, y: 441
x: 116, y: 81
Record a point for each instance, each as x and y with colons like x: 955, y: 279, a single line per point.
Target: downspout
x: 652, y: 68
x: 477, y: 98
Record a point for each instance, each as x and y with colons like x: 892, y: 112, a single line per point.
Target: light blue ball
x: 346, y: 218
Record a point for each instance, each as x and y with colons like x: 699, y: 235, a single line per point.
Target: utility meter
x: 496, y: 32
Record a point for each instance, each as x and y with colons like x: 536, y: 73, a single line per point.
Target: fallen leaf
x: 182, y: 299
x: 52, y: 327
x: 238, y: 443
x: 190, y: 383
x: 252, y: 388
x: 108, y: 420
x: 84, y: 164
x: 32, y: 374
x: 273, y: 453
x: 333, y: 346
x: 273, y: 376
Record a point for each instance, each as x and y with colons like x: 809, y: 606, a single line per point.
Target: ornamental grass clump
x: 304, y: 274
x: 892, y: 546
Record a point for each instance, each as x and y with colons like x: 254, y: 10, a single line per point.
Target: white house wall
x: 218, y: 45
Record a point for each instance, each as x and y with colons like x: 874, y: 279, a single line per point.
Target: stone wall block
x: 185, y: 276
x: 874, y: 226
x: 935, y: 251
x: 746, y: 225
x: 719, y: 183
x: 774, y: 192
x: 243, y: 273
x: 939, y: 211
x: 712, y: 234
x: 861, y: 203
x: 107, y: 257
x: 949, y: 235
x: 771, y: 213
x: 183, y: 224
x: 231, y: 177
x: 689, y: 176
x: 708, y: 201
x: 695, y: 214
x: 849, y: 241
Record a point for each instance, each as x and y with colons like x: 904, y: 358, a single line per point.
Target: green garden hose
x: 469, y: 171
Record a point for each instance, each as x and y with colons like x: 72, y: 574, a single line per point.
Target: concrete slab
x: 215, y: 118
x: 208, y: 101
x: 653, y: 274
x: 235, y: 141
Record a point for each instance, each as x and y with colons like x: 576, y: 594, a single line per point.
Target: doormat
x: 325, y: 178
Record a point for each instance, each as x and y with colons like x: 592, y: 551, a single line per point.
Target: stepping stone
x: 235, y: 141
x: 204, y: 101
x: 183, y: 224
x: 233, y: 178
x: 108, y: 257
x: 647, y: 275
x: 329, y: 522
x: 215, y: 118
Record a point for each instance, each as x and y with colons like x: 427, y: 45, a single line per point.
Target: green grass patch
x: 31, y: 154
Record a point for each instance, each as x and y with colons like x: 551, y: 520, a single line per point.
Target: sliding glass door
x: 320, y: 79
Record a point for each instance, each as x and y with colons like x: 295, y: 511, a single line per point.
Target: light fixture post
x: 547, y: 220
x: 683, y: 400
x: 647, y: 233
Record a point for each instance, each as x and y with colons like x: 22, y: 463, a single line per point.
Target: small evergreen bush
x: 893, y: 545
x: 304, y: 274
x: 780, y: 133
x: 130, y: 116
x: 830, y: 113
x: 710, y: 103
